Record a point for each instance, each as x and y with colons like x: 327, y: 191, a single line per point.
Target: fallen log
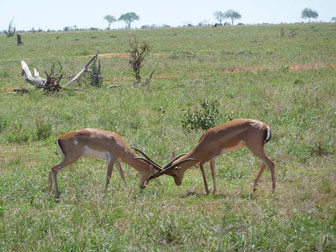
x: 35, y: 79
x: 51, y: 83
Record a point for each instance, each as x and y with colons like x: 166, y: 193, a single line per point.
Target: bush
x: 4, y: 122
x: 203, y: 118
x: 138, y: 52
x: 43, y: 130
x: 18, y: 137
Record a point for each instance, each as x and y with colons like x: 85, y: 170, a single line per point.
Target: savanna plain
x: 287, y: 80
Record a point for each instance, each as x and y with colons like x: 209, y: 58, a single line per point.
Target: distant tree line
x: 230, y: 14
x: 130, y: 17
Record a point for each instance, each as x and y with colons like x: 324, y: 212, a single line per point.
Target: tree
x: 309, y: 13
x: 138, y: 52
x: 232, y: 14
x: 128, y: 18
x: 219, y: 16
x: 110, y: 19
x: 333, y: 19
x: 11, y: 29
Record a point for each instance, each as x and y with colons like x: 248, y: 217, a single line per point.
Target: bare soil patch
x: 297, y: 67
x: 242, y: 69
x: 311, y: 66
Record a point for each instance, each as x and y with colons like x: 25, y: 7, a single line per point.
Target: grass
x: 261, y: 83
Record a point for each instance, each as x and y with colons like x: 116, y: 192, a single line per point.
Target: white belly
x: 87, y: 152
x: 241, y: 144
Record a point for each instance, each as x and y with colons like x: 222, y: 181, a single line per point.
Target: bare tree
x: 138, y: 51
x: 219, y: 16
x: 11, y: 29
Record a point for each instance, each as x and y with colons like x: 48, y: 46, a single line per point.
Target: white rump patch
x: 268, y: 134
x: 257, y: 124
x: 87, y: 152
x: 60, y: 151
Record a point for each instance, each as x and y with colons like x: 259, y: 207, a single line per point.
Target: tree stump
x: 19, y: 40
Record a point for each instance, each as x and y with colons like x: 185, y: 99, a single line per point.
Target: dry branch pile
x: 53, y: 80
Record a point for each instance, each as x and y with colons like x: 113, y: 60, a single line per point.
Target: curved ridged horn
x: 171, y: 161
x: 158, y: 174
x: 148, y: 158
x: 151, y: 163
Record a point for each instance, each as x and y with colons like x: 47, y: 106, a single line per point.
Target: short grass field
x: 288, y: 82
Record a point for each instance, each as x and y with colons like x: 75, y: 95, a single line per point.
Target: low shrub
x: 202, y: 118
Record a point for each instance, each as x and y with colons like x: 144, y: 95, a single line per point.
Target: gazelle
x: 226, y: 137
x: 102, y: 144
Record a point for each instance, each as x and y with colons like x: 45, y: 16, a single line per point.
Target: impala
x: 226, y: 137
x: 102, y: 144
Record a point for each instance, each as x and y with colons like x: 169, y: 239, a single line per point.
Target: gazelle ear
x: 172, y: 155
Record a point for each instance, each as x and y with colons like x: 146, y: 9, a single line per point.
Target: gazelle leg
x: 213, y: 173
x: 121, y: 172
x: 54, y: 170
x: 204, y: 178
x: 259, y: 152
x: 262, y: 169
x: 109, y: 173
x: 50, y: 182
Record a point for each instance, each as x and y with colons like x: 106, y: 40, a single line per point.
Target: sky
x: 58, y: 14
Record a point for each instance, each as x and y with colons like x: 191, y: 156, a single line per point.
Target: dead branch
x: 84, y: 69
x: 114, y: 86
x: 292, y: 33
x: 95, y: 74
x: 20, y: 91
x: 238, y: 52
x: 146, y: 83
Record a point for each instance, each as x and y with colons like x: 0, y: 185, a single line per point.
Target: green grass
x: 190, y: 65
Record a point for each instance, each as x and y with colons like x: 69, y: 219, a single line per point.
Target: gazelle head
x: 145, y: 175
x: 172, y: 168
x: 177, y: 173
x: 153, y: 169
